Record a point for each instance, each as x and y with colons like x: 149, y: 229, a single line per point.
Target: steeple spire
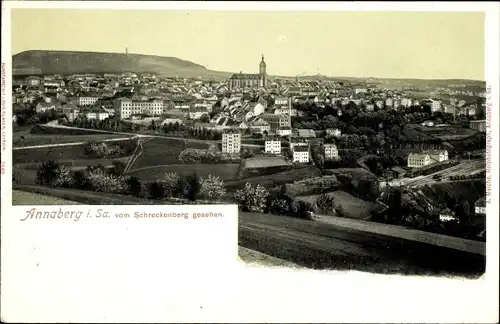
x: 262, y: 57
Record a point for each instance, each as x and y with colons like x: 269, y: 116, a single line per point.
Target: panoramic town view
x: 379, y: 174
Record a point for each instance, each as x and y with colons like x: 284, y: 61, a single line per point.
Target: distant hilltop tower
x: 126, y: 50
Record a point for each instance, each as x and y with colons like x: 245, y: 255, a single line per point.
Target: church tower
x: 262, y: 72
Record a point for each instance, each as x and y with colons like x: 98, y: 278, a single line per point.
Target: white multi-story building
x: 331, y: 151
x: 281, y: 101
x: 125, y: 107
x: 435, y: 105
x: 285, y: 111
x: 301, y: 154
x: 102, y: 115
x: 231, y: 142
x: 284, y: 131
x: 273, y: 146
x: 87, y: 100
x: 418, y: 160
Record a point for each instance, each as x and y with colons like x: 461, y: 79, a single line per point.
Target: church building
x: 242, y: 80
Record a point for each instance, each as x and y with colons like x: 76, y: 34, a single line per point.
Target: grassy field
x: 163, y: 151
x: 73, y: 152
x: 265, y: 162
x: 354, y: 207
x: 30, y: 198
x: 411, y: 131
x: 323, y: 246
x: 276, y: 179
x: 223, y: 171
x: 58, y: 153
x: 20, y: 140
x: 446, y: 133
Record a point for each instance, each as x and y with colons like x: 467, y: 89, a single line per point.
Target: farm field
x: 276, y: 178
x: 223, y: 171
x: 30, y: 198
x: 42, y: 139
x: 163, y: 151
x: 353, y: 206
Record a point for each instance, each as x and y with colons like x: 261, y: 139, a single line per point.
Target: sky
x: 397, y: 44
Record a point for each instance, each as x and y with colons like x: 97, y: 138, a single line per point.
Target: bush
x: 212, y: 188
x: 302, y: 209
x: 252, y: 198
x: 51, y: 173
x: 102, y: 181
x: 156, y: 190
x: 325, y: 204
x: 80, y: 180
x: 102, y: 149
x: 280, y: 206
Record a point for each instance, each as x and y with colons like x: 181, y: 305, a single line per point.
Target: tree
x: 80, y: 180
x: 51, y: 173
x: 252, y: 198
x: 156, y: 190
x: 212, y: 188
x: 302, y: 209
x: 171, y: 183
x: 191, y: 187
x: 325, y: 204
x: 394, y: 203
x: 465, y: 213
x: 134, y: 185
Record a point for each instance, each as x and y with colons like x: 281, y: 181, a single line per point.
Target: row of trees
x: 190, y: 187
x: 197, y: 156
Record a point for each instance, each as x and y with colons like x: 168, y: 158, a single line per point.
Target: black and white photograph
x: 350, y: 140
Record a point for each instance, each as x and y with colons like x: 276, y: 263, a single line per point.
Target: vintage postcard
x: 260, y: 162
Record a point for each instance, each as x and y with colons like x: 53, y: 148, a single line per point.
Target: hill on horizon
x: 41, y: 62
x: 37, y: 62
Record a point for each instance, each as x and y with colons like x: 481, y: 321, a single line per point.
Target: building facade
x: 418, y: 160
x: 273, y: 146
x: 276, y: 121
x: 301, y: 154
x: 125, y: 107
x: 479, y: 125
x: 87, y: 100
x: 231, y: 142
x: 331, y: 151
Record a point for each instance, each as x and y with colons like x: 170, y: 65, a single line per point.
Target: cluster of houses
x: 299, y: 145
